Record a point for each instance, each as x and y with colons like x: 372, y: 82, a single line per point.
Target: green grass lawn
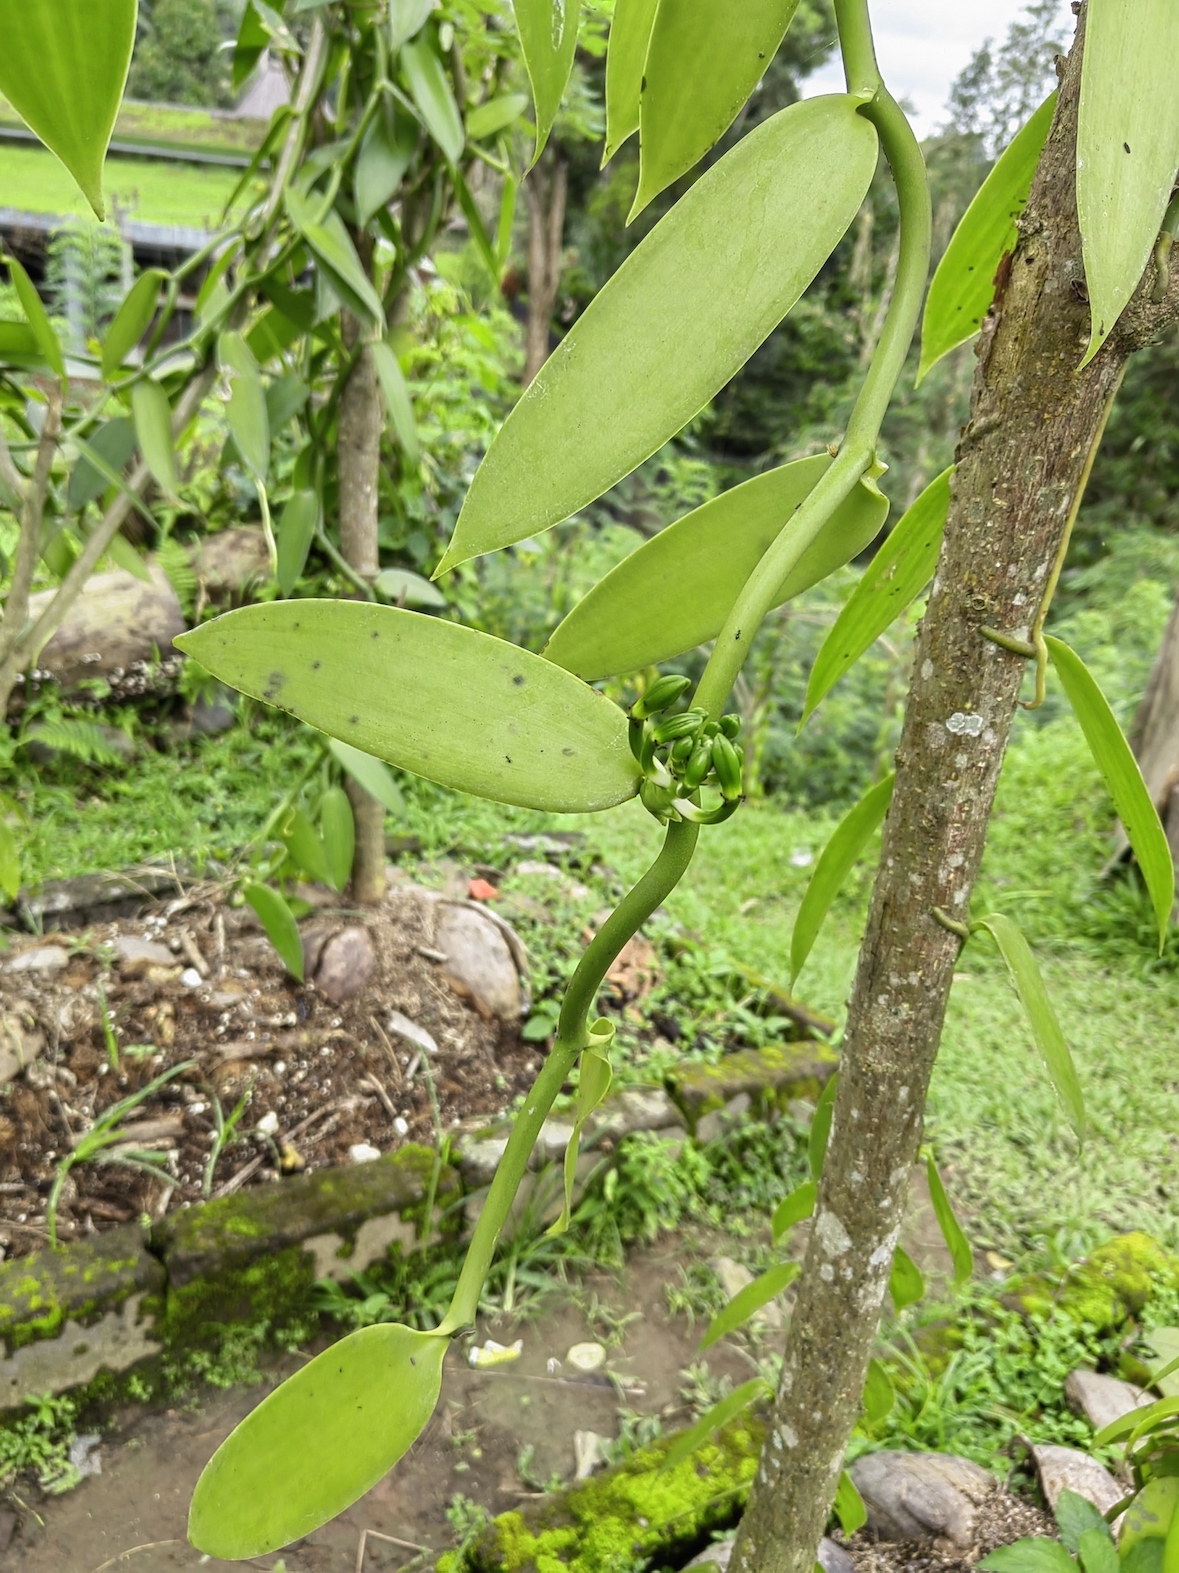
x: 148, y: 190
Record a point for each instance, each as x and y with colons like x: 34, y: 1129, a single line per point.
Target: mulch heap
x: 407, y: 1025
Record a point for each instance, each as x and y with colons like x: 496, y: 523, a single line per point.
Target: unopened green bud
x: 682, y: 751
x: 698, y: 765
x: 730, y: 725
x: 686, y: 724
x: 727, y: 763
x: 663, y: 692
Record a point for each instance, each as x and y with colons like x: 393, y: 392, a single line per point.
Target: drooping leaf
x: 712, y: 1419
x: 898, y: 573
x: 281, y: 929
x: 9, y: 861
x: 964, y: 284
x: 793, y: 1209
x: 548, y: 39
x: 495, y: 115
x: 48, y: 342
x: 593, y: 1084
x: 131, y: 321
x: 1123, y: 779
x: 835, y: 863
x: 1075, y: 1514
x: 63, y: 65
x: 406, y: 588
x: 769, y: 213
x: 905, y: 1283
x: 339, y: 836
x: 431, y: 697
x: 749, y: 1300
x: 406, y: 20
x: 114, y: 441
x: 879, y: 1393
x: 19, y: 346
x: 286, y: 396
x: 153, y: 428
x: 385, y: 154
x: 336, y: 255
x: 305, y: 846
x: 296, y: 531
x: 430, y: 90
x: 849, y: 1505
x: 476, y: 227
x: 630, y: 33
x: 372, y: 775
x: 704, y: 59
x: 253, y: 39
x: 1097, y: 1553
x: 1038, y: 1555
x: 124, y: 556
x: 676, y: 590
x: 1029, y: 985
x: 1137, y: 1421
x: 112, y: 477
x: 956, y: 1242
x: 1127, y: 147
x: 246, y: 412
x: 820, y: 1131
x: 318, y: 1442
x: 395, y: 392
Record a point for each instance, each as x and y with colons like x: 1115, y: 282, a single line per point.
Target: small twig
x: 393, y: 1540
x: 193, y: 952
x: 219, y: 952
x: 148, y: 1545
x: 389, y: 1050
x: 374, y: 1085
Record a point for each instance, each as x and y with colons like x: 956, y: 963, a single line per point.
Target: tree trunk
x: 1033, y: 420
x: 546, y: 190
x: 358, y: 459
x: 1154, y: 736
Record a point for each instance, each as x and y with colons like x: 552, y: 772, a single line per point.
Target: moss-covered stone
x: 771, y: 1077
x: 634, y: 1513
x: 1112, y: 1284
x: 40, y: 1292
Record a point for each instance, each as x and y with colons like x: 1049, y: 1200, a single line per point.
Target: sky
x: 923, y: 44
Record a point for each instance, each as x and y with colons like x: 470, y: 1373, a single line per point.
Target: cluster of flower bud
x: 683, y: 753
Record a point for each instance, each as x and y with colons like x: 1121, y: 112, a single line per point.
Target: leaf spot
x: 353, y: 720
x: 315, y: 665
x: 274, y: 685
x: 1126, y: 145
x: 519, y: 679
x: 508, y: 757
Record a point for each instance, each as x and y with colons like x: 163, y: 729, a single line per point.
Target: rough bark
x: 1155, y: 735
x: 1033, y: 421
x: 546, y: 190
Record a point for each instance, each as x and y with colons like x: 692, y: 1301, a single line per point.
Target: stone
x: 479, y: 964
x: 346, y: 962
x: 135, y: 954
x: 733, y: 1278
x: 589, y: 1450
x: 95, y: 898
x: 832, y: 1558
x: 230, y: 561
x: 771, y: 1077
x: 1068, y: 1469
x: 363, y: 1152
x: 921, y: 1496
x: 117, y: 620
x: 42, y: 958
x: 412, y: 1032
x: 478, y: 1160
x: 636, y: 1109
x: 20, y: 1044
x: 532, y: 868
x: 635, y: 970
x: 711, y: 1127
x: 553, y: 842
x: 191, y: 978
x: 586, y: 1358
x: 1102, y: 1399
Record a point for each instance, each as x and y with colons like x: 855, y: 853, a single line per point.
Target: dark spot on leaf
x: 508, y: 757
x: 519, y: 679
x: 412, y: 1361
x: 643, y: 85
x: 736, y: 636
x: 568, y: 751
x: 353, y: 720
x: 315, y: 665
x: 1126, y: 145
x: 274, y: 685
x: 376, y: 633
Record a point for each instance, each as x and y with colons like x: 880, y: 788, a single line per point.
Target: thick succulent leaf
x: 849, y: 1505
x: 746, y: 1302
x: 958, y: 1245
x: 430, y: 89
x: 384, y: 157
x: 712, y: 1419
x: 47, y: 341
x: 964, y: 285
x: 114, y: 441
x: 63, y: 64
x: 279, y: 922
x: 336, y: 255
x: 703, y: 60
x: 630, y: 33
x: 431, y: 697
x: 246, y: 412
x: 838, y: 857
x: 9, y: 861
x: 898, y: 573
x: 1127, y: 147
x: 338, y: 829
x: 405, y: 588
x: 548, y: 40
x: 296, y: 531
x: 669, y: 330
x: 153, y: 428
x: 1029, y: 985
x: 406, y: 19
x: 1123, y: 779
x: 131, y: 321
x: 820, y: 1132
x: 905, y: 1283
x: 305, y: 847
x: 793, y: 1209
x: 395, y: 392
x: 676, y: 590
x: 371, y: 774
x: 318, y: 1442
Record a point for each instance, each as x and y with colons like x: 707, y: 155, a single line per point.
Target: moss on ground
x: 1105, y: 1290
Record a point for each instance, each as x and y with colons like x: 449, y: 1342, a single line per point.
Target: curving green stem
x: 572, y: 1033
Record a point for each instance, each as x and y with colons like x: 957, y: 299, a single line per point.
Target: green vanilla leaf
x: 630, y: 33
x: 703, y: 60
x: 896, y: 576
x: 124, y: 556
x: 406, y: 20
x: 849, y: 1505
x: 956, y: 1242
x: 296, y: 531
x: 113, y: 477
x: 286, y: 396
x: 1097, y: 1552
x: 131, y: 321
x: 769, y: 213
x: 317, y: 1443
x: 1037, y: 1555
x: 905, y: 1283
x: 1075, y: 1514
x: 114, y: 441
x: 476, y: 227
x: 852, y: 835
x: 1127, y: 147
x: 793, y: 1209
x: 1165, y: 1343
x: 395, y: 392
x: 1136, y: 1422
x: 712, y: 1420
x: 338, y: 829
x: 385, y: 153
x: 371, y: 774
x: 1123, y: 779
x: 495, y: 115
x: 1029, y: 985
x: 676, y: 590
x: 305, y: 846
x: 19, y: 346
x: 430, y: 696
x: 246, y: 412
x: 253, y: 39
x: 964, y: 284
x: 9, y: 862
x: 548, y: 39
x: 332, y: 245
x: 281, y: 929
x: 405, y: 588
x: 879, y: 1394
x: 430, y: 90
x: 746, y: 1302
x: 48, y: 342
x: 820, y: 1131
x: 153, y: 428
x: 63, y: 65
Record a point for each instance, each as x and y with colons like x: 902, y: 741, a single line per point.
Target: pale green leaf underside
x: 318, y: 1442
x: 964, y: 285
x: 442, y: 701
x: 63, y: 64
x: 1127, y: 147
x: 956, y: 1242
x: 548, y: 40
x: 630, y: 33
x: 34, y: 309
x: 669, y: 329
x: 1123, y: 779
x: 246, y: 412
x: 676, y: 590
x: 336, y: 255
x: 704, y: 59
x: 1029, y: 985
x: 905, y: 1283
x: 371, y: 774
x: 749, y: 1300
x: 849, y: 1505
x: 834, y: 865
x: 153, y: 428
x: 898, y: 573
